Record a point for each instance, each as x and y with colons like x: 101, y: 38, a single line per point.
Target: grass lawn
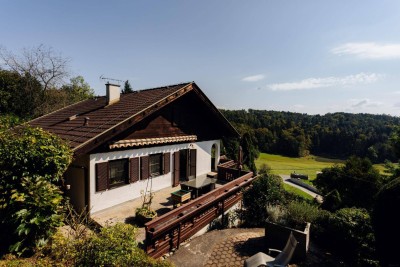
x: 297, y: 191
x: 285, y: 165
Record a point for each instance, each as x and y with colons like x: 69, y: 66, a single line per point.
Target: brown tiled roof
x: 103, y: 118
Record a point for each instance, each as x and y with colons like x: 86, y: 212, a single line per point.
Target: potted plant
x: 283, y: 220
x: 145, y: 214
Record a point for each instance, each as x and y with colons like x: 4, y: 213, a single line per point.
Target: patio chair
x: 283, y: 258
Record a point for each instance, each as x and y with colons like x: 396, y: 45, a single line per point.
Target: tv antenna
x: 110, y: 79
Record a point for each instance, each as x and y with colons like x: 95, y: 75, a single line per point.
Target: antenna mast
x: 110, y: 79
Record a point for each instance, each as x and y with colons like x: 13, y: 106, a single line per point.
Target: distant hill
x: 335, y: 134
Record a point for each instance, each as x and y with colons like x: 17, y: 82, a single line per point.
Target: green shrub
x: 112, y: 246
x: 32, y: 161
x: 38, y: 212
x: 352, y: 237
x: 267, y: 189
x: 299, y: 213
x: 386, y: 220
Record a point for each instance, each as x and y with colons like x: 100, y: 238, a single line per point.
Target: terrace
x: 175, y: 225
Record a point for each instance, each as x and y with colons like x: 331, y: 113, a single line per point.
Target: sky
x: 307, y: 56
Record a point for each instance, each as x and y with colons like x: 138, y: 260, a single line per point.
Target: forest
x: 337, y: 135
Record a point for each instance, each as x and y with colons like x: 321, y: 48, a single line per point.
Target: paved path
x: 314, y: 195
x: 229, y: 247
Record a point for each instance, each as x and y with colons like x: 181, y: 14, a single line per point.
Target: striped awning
x: 152, y: 141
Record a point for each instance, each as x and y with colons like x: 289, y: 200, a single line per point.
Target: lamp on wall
x: 191, y: 145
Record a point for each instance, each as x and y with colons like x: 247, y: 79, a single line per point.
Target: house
x: 124, y: 142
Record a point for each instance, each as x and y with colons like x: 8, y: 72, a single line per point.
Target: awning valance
x: 152, y: 141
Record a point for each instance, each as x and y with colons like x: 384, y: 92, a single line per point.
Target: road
x: 314, y: 195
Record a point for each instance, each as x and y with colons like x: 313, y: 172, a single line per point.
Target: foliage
x: 351, y: 236
x: 250, y: 152
x: 26, y: 151
x: 112, y: 246
x: 146, y: 212
x: 266, y: 189
x: 127, y: 88
x: 293, y: 215
x: 230, y: 147
x: 35, y: 210
x: 332, y: 201
x: 333, y: 134
x: 32, y: 161
x: 19, y: 94
x: 8, y: 121
x: 299, y: 213
x: 357, y: 175
x: 77, y: 90
x: 386, y: 220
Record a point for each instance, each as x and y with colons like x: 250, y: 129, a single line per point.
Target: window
x: 155, y: 164
x: 119, y: 172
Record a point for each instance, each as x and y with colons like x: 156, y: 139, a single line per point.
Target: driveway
x: 314, y: 195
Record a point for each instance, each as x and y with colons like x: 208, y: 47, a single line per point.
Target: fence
x: 169, y: 230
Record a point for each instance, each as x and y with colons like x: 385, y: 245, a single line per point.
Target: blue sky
x: 304, y: 56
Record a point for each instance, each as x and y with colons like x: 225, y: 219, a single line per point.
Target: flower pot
x: 144, y: 215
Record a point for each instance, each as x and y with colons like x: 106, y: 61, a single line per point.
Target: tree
x: 19, y: 94
x: 357, y: 182
x: 40, y: 62
x: 351, y: 236
x: 386, y: 221
x: 78, y: 89
x: 266, y: 190
x: 127, y: 88
x: 32, y: 162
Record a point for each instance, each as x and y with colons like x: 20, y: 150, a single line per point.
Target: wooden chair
x: 283, y: 258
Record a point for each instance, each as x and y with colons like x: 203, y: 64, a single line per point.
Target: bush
x: 351, y: 236
x: 112, y: 246
x: 267, y: 189
x: 299, y: 213
x: 294, y: 215
x: 32, y: 161
x: 386, y: 220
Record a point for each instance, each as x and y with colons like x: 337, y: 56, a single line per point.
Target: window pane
x: 118, y: 172
x: 155, y: 164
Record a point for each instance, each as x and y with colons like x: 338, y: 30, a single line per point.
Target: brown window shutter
x: 144, y: 167
x: 134, y: 169
x: 101, y: 176
x: 193, y: 160
x: 167, y: 160
x: 176, y: 169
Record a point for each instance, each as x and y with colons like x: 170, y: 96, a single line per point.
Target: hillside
x: 337, y: 135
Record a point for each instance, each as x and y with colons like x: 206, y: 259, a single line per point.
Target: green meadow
x: 310, y: 165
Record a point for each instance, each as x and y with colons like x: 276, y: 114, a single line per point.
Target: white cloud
x: 369, y: 50
x: 253, y: 78
x: 311, y: 83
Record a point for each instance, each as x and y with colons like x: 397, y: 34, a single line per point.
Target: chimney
x: 113, y: 93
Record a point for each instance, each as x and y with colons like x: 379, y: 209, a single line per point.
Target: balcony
x: 175, y: 225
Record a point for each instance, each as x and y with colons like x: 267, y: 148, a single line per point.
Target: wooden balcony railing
x: 169, y: 230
